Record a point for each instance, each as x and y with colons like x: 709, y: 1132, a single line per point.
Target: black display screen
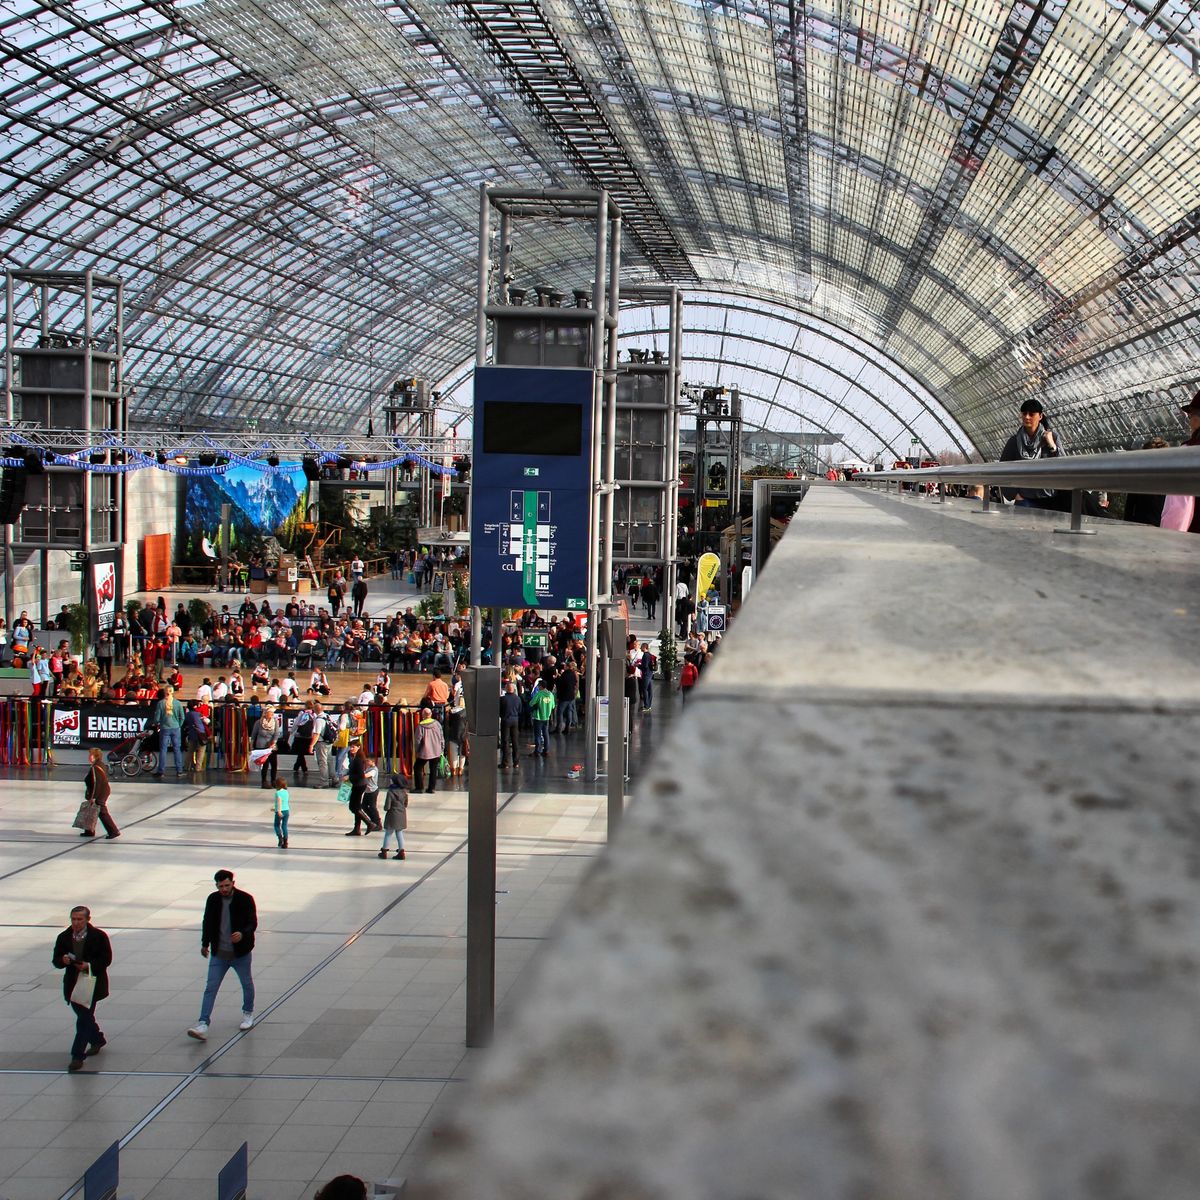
x: 513, y: 427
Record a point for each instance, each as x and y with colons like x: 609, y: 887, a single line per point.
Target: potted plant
x: 668, y: 654
x: 200, y: 611
x: 462, y: 591
x: 78, y: 626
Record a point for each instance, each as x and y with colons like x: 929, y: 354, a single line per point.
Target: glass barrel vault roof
x: 1001, y: 198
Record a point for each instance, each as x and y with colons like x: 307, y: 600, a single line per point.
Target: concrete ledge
x: 908, y: 906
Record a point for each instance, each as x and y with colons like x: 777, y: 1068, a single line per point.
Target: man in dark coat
x: 227, y: 933
x: 84, y: 952
x: 358, y: 593
x: 510, y: 716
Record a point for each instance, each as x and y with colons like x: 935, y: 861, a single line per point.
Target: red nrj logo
x: 66, y: 721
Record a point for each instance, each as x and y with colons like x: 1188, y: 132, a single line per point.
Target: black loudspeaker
x: 12, y: 494
x: 312, y: 469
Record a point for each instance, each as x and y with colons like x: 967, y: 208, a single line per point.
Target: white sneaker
x: 199, y: 1031
x: 247, y: 1021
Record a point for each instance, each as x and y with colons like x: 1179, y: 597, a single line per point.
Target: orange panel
x: 156, y: 562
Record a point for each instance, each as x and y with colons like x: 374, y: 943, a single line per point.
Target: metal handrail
x: 1174, y: 471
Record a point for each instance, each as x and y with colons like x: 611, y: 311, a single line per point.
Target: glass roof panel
x: 1002, y: 201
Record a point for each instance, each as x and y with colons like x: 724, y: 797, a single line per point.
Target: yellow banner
x: 706, y: 572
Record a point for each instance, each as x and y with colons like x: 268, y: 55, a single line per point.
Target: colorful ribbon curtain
x: 230, y: 737
x: 25, y: 739
x: 391, y: 738
x: 25, y: 735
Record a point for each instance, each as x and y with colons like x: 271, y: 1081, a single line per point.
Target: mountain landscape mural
x: 262, y: 503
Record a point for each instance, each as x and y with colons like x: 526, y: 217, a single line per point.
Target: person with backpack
x: 324, y: 732
x: 302, y: 740
x: 196, y: 735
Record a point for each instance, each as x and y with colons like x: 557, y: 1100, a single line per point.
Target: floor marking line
x: 91, y: 841
x: 202, y: 1068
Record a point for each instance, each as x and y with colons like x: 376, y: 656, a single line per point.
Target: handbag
x: 343, y: 792
x: 84, y: 989
x: 443, y: 768
x: 86, y: 817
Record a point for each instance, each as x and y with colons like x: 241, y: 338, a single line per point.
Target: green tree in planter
x: 78, y: 626
x: 200, y: 611
x: 668, y: 654
x: 462, y: 591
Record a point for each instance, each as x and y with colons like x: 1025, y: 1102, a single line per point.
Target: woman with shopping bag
x: 96, y: 791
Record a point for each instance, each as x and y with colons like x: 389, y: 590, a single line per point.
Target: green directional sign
x: 576, y: 605
x: 532, y: 471
x: 533, y: 641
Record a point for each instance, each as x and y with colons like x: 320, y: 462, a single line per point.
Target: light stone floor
x: 359, y: 972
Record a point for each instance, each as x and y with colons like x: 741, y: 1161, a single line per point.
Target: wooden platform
x: 343, y: 685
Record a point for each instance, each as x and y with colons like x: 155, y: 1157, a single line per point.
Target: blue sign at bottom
x: 532, y: 540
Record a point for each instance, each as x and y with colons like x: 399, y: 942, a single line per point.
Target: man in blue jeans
x: 226, y: 940
x: 168, y: 716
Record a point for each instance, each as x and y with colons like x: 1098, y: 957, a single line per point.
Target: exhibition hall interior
x: 621, y: 575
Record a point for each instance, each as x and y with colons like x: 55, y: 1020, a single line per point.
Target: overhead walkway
x: 905, y: 908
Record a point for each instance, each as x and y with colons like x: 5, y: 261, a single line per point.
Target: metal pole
x: 609, y: 391
x: 760, y: 537
x: 675, y: 349
x: 734, y: 567
x: 596, y: 586
x: 482, y: 281
x: 617, y: 731
x: 44, y: 585
x: 226, y: 538
x: 477, y: 636
x: 10, y: 594
x: 1076, y: 525
x: 481, y: 287
x: 482, y: 693
x: 85, y: 477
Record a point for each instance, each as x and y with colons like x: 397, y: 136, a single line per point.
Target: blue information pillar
x: 531, y: 533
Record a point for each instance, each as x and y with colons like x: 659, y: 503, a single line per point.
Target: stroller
x: 136, y: 754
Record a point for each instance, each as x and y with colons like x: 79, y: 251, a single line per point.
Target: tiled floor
x: 359, y: 974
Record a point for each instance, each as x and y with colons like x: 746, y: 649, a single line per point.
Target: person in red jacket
x: 687, y: 679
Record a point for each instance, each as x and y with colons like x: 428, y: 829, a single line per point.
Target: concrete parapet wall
x: 907, y: 908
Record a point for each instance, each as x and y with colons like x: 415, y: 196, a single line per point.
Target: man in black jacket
x: 227, y: 931
x: 510, y: 716
x: 1032, y: 441
x: 84, y: 952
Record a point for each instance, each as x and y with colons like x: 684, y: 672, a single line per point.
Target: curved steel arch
x: 787, y: 315
x: 853, y: 382
x: 780, y: 375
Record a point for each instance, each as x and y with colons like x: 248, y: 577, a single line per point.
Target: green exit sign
x: 577, y: 605
x: 532, y: 471
x: 534, y: 641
